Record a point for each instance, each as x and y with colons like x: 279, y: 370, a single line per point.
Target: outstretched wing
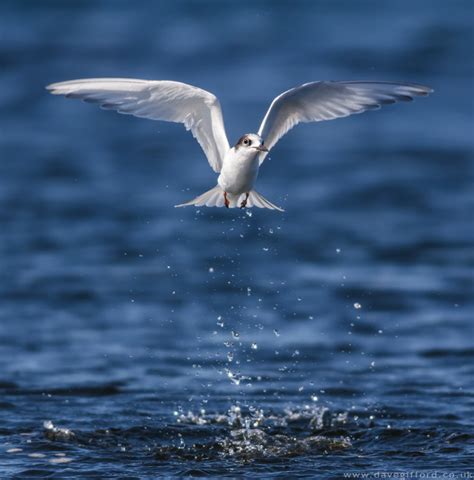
x: 197, y: 109
x: 316, y: 101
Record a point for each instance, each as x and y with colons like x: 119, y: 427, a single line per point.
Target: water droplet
x: 314, y: 398
x: 220, y: 322
x: 265, y: 249
x: 254, y: 346
x: 276, y: 332
x: 372, y: 364
x: 380, y: 331
x: 211, y: 270
x: 338, y: 250
x: 248, y: 213
x: 235, y: 334
x: 230, y: 356
x: 233, y: 378
x: 357, y: 306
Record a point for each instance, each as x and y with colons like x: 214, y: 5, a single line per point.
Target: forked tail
x: 215, y: 198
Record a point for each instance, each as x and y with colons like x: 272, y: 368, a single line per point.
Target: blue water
x: 142, y: 341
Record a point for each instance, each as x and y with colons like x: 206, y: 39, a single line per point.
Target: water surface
x: 139, y: 341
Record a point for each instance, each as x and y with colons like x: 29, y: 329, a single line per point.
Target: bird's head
x: 251, y: 141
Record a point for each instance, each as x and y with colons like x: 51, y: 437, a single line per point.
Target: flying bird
x: 200, y: 112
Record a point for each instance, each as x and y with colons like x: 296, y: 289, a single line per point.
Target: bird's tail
x: 215, y: 198
x: 259, y: 201
x: 212, y: 198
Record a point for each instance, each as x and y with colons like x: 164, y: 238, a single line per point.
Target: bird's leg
x: 243, y: 204
x: 226, y: 200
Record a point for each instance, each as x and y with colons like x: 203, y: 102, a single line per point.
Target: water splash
x: 57, y: 433
x: 251, y: 434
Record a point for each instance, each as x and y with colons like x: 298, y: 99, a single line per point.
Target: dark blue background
x: 110, y: 297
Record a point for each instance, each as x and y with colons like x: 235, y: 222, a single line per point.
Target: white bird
x: 200, y: 112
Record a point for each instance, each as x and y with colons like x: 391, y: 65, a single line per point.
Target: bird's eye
x: 247, y: 142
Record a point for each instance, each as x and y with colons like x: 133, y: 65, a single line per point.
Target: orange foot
x: 243, y: 204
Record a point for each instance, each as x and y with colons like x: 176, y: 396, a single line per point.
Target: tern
x: 200, y: 112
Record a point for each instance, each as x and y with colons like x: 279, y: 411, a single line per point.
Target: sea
x: 333, y: 340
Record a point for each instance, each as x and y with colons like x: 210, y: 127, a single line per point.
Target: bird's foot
x: 226, y: 200
x: 243, y: 203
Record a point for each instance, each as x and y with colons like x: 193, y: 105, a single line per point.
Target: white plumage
x: 200, y: 112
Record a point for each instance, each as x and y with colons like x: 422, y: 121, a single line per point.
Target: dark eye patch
x: 244, y: 141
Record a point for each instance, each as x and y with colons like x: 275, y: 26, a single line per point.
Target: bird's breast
x: 238, y: 173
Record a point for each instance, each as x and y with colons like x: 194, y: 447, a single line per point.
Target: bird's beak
x: 261, y: 148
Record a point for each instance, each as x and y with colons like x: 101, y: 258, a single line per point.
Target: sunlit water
x: 139, y: 341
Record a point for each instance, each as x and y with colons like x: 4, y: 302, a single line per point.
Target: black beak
x: 261, y: 148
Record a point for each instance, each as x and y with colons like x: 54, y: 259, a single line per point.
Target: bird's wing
x: 197, y: 109
x: 316, y: 101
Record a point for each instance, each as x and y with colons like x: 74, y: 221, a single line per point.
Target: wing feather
x: 317, y: 101
x: 197, y: 109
